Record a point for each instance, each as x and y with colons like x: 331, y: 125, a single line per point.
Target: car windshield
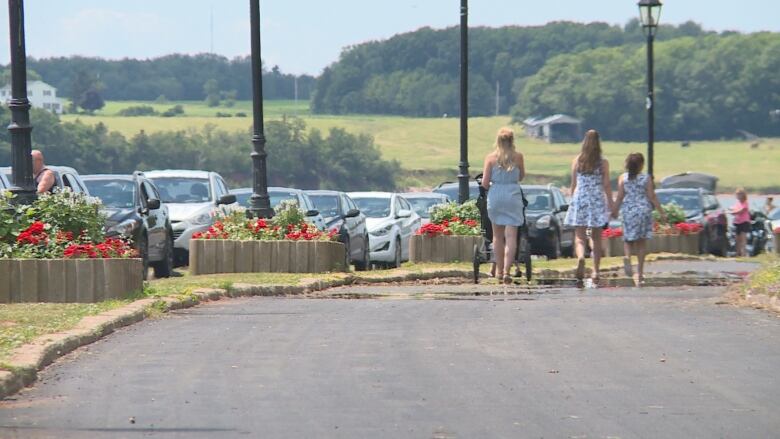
x: 374, y: 207
x: 328, y: 205
x: 423, y: 205
x: 183, y: 190
x: 775, y: 215
x: 452, y: 191
x: 243, y: 198
x: 538, y: 199
x: 114, y: 193
x: 688, y: 201
x: 278, y: 197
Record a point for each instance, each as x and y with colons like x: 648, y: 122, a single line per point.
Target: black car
x: 132, y: 205
x: 452, y: 190
x: 340, y: 212
x: 701, y: 206
x: 545, y: 214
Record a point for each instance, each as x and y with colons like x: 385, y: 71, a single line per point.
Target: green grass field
x: 428, y: 148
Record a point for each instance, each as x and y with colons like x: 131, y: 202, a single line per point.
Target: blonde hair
x: 589, y: 159
x: 505, y: 148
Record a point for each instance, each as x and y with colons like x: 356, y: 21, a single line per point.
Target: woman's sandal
x: 507, y: 279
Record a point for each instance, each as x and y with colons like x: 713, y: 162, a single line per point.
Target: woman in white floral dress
x: 591, y: 201
x: 635, y: 202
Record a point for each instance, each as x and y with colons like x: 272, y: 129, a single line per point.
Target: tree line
x: 417, y: 73
x: 174, y: 77
x: 296, y: 157
x: 712, y: 86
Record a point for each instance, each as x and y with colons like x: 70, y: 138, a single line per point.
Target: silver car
x: 194, y: 199
x: 64, y: 177
x: 422, y: 202
x: 278, y: 194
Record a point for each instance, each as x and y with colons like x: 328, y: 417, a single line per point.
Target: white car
x: 194, y: 199
x: 391, y: 222
x: 422, y: 202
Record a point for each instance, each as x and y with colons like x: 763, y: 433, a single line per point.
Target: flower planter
x: 777, y: 243
x: 443, y: 248
x: 68, y: 280
x: 210, y: 256
x: 683, y: 244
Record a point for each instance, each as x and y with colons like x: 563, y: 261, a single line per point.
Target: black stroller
x: 484, y: 253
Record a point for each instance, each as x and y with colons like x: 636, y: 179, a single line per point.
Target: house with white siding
x: 40, y: 94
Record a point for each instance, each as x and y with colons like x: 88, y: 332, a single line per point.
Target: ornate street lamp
x: 463, y: 167
x: 260, y: 205
x: 20, y: 128
x: 650, y: 15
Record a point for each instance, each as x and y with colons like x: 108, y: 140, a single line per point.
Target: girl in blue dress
x: 503, y: 170
x: 591, y: 201
x: 635, y: 202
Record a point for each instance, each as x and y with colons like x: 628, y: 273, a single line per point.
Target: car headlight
x: 543, y: 222
x: 383, y: 231
x: 204, y: 219
x: 125, y: 228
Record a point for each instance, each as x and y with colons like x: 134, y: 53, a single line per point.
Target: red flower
x: 471, y: 223
x: 777, y: 230
x: 33, y: 235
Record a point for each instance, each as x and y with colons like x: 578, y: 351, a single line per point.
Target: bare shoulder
x: 490, y: 158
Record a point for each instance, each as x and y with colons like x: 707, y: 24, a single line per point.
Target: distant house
x: 554, y: 129
x: 40, y: 94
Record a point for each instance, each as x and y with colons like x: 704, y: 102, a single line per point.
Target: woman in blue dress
x: 503, y: 170
x: 635, y: 202
x: 591, y: 201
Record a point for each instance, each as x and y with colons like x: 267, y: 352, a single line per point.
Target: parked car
x: 5, y: 182
x: 194, y: 198
x: 701, y: 206
x: 545, y: 214
x: 422, y: 202
x: 278, y: 194
x: 133, y: 209
x: 774, y: 217
x: 64, y: 177
x: 341, y: 213
x: 391, y: 222
x: 452, y: 190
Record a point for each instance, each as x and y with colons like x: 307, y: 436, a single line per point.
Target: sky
x: 304, y: 36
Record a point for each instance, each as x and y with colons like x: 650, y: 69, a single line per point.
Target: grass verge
x: 765, y: 280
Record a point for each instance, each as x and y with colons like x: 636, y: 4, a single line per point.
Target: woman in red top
x: 741, y: 213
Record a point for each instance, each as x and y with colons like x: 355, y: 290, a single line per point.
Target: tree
x: 85, y: 92
x: 211, y: 89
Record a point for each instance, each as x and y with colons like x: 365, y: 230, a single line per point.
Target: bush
x: 221, y: 114
x: 674, y: 215
x: 453, y: 219
x: 240, y: 114
x: 137, y: 110
x: 176, y: 110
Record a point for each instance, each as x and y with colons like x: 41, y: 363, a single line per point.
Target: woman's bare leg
x: 641, y: 252
x: 580, y: 237
x: 510, y: 235
x: 499, y: 250
x: 595, y: 238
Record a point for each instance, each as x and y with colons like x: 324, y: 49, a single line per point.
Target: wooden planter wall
x: 777, y: 243
x: 446, y: 248
x: 683, y: 244
x: 68, y: 280
x: 209, y: 256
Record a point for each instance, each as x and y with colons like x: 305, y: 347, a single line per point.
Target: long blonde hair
x: 505, y: 149
x: 589, y: 159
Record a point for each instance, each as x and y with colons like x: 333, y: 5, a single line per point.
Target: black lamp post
x: 463, y: 168
x: 649, y: 15
x: 20, y: 128
x: 260, y: 205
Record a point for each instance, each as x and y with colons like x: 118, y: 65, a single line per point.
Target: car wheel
x: 365, y: 263
x: 143, y: 253
x: 165, y: 267
x: 397, y: 260
x: 554, y: 246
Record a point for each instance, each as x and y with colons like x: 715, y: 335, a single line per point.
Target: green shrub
x: 448, y: 211
x: 137, y: 110
x: 674, y: 214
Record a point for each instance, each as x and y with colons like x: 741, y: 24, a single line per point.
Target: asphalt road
x: 607, y: 363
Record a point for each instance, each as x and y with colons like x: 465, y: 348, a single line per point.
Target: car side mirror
x: 226, y: 199
x: 404, y: 213
x: 563, y: 208
x: 712, y: 207
x: 312, y: 212
x: 153, y: 204
x: 351, y: 213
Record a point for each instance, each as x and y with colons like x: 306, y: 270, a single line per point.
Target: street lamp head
x: 650, y: 15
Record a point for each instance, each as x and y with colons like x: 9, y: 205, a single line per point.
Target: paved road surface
x: 618, y: 363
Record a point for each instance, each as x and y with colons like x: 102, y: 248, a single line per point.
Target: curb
x: 29, y: 359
